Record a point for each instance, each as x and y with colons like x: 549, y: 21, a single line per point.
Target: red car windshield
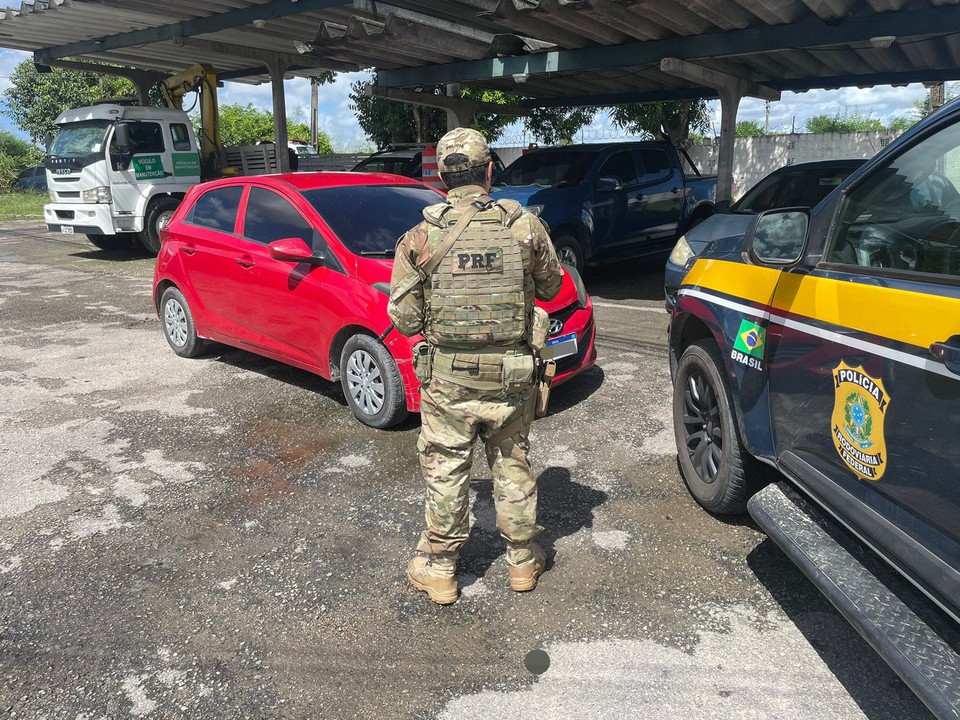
x: 369, y: 219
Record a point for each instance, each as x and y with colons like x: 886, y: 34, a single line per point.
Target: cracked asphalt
x: 219, y: 538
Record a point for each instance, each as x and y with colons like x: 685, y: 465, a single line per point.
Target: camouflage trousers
x: 453, y: 416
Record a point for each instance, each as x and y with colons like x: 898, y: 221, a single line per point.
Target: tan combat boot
x: 436, y: 576
x: 525, y: 573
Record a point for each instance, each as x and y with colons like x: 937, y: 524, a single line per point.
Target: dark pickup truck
x: 609, y: 202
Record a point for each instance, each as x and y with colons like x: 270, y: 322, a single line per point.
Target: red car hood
x: 371, y: 271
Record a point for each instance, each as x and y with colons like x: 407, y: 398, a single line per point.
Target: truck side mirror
x: 778, y: 237
x: 608, y: 184
x: 124, y: 145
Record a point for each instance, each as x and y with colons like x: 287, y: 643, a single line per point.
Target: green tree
x: 34, y: 99
x: 899, y: 124
x: 388, y: 122
x: 15, y: 155
x: 749, y: 128
x: 248, y: 124
x: 843, y: 122
x: 558, y: 125
x: 675, y: 120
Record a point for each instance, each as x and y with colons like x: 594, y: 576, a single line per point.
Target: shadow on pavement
x: 871, y: 683
x: 125, y: 255
x: 564, y: 507
x: 640, y: 279
x: 243, y: 360
x: 575, y: 391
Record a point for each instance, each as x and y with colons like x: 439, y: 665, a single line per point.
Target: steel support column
x: 731, y: 90
x: 453, y: 116
x: 278, y: 67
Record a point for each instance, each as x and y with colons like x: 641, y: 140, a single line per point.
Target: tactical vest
x: 475, y: 297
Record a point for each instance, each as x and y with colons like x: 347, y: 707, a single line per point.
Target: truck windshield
x: 548, y: 169
x: 79, y: 139
x: 369, y: 219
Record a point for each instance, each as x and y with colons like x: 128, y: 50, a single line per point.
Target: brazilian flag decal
x: 750, y: 339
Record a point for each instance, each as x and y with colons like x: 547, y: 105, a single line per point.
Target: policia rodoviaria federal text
x: 466, y: 277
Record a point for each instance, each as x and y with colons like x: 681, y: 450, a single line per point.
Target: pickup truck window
x: 906, y: 214
x: 656, y: 163
x: 620, y: 166
x: 549, y: 169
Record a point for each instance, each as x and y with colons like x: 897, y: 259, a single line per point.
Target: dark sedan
x: 800, y: 185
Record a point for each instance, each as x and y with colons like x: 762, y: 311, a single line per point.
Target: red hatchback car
x: 297, y: 268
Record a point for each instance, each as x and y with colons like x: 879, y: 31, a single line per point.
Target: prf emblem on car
x: 859, y: 410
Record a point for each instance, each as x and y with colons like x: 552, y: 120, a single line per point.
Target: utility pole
x: 314, y: 105
x: 766, y: 121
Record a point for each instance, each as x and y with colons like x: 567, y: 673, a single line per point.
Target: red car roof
x: 314, y: 180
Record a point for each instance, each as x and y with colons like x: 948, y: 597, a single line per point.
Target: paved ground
x: 218, y: 538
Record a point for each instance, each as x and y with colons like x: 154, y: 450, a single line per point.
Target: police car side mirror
x: 778, y: 237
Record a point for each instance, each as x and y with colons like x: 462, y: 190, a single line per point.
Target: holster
x: 547, y: 370
x: 422, y: 362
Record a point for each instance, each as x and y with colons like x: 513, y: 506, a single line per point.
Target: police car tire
x: 394, y: 409
x: 150, y: 237
x: 739, y: 473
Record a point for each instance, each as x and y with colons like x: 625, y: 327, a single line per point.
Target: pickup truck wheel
x: 713, y: 461
x: 178, y: 325
x: 157, y: 218
x: 110, y: 242
x: 371, y: 382
x: 569, y: 251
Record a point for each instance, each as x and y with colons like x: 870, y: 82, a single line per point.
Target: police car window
x: 620, y: 166
x: 146, y: 137
x: 371, y: 218
x: 217, y: 209
x: 906, y: 215
x: 270, y: 217
x: 180, y: 136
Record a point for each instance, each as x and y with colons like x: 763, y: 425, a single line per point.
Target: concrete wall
x: 756, y: 157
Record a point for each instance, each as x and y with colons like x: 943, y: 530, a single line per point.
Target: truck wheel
x: 157, y: 218
x: 718, y: 471
x: 372, y: 383
x: 178, y: 325
x: 569, y: 251
x: 110, y: 242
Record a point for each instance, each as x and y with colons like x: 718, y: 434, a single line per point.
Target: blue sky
x: 338, y: 121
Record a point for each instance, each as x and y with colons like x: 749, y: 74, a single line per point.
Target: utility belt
x: 500, y: 368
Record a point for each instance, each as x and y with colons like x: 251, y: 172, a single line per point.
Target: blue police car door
x: 865, y: 372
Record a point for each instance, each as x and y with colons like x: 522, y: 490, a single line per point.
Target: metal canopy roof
x: 563, y: 51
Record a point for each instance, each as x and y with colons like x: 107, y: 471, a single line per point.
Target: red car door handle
x: 188, y: 250
x: 244, y: 261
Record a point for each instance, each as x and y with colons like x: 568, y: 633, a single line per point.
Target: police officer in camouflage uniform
x: 475, y: 309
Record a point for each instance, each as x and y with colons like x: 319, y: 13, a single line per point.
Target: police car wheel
x: 712, y: 459
x: 178, y: 325
x: 371, y: 382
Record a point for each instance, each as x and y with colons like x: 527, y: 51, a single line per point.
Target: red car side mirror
x: 293, y: 249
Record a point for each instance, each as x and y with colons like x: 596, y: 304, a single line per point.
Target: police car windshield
x: 804, y: 187
x: 369, y: 219
x: 548, y: 169
x: 79, y: 139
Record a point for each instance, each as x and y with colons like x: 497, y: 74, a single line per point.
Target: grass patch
x: 22, y: 205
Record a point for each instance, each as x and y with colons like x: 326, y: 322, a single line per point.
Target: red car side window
x: 217, y: 209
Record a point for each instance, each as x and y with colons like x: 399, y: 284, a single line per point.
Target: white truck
x: 117, y: 173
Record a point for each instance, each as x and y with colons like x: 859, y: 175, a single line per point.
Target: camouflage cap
x: 462, y: 149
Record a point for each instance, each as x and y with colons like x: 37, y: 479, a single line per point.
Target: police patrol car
x: 825, y: 343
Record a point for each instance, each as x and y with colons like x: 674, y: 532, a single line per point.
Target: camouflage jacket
x: 542, y: 272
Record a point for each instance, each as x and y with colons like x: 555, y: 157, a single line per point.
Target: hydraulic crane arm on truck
x: 201, y: 79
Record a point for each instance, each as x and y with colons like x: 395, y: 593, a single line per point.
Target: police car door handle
x: 948, y: 352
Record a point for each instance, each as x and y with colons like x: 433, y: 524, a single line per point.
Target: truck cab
x: 117, y: 173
